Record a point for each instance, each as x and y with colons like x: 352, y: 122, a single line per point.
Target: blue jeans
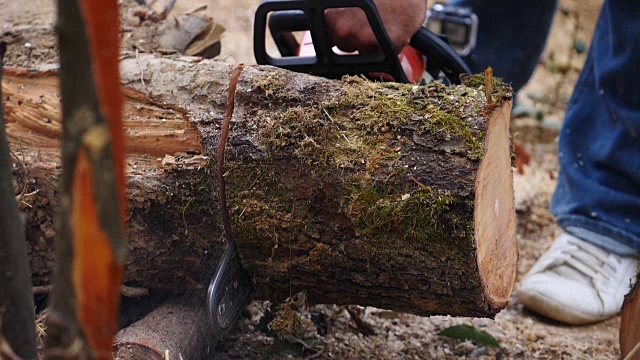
x: 597, y: 197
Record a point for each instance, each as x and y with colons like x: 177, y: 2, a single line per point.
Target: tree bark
x: 356, y: 192
x: 16, y: 301
x: 91, y: 247
x: 177, y: 329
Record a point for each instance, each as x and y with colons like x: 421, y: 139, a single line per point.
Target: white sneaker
x: 577, y: 283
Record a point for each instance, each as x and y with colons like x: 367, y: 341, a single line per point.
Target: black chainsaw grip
x: 282, y: 24
x: 325, y: 63
x: 439, y: 55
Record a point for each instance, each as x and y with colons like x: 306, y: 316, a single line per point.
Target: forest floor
x: 332, y: 333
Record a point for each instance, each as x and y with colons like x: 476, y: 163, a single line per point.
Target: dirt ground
x: 332, y: 333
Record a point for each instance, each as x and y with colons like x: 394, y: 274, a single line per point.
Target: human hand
x: 351, y: 31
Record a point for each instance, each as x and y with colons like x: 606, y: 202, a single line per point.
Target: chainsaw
x: 428, y: 57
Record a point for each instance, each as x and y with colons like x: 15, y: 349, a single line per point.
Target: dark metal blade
x: 229, y: 292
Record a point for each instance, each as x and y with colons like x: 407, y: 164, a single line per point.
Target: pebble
x: 541, y: 334
x: 481, y: 351
x: 464, y: 348
x: 532, y: 337
x: 50, y: 234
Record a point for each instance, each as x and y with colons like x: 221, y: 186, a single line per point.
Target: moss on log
x: 395, y: 196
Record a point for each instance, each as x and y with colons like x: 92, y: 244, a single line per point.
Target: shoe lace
x: 590, y: 260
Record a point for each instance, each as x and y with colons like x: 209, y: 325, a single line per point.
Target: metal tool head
x: 229, y: 292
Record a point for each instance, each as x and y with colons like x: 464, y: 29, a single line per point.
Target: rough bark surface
x: 177, y: 329
x: 355, y: 192
x: 16, y: 301
x: 91, y: 246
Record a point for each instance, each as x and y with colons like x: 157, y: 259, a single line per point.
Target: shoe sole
x: 554, y: 310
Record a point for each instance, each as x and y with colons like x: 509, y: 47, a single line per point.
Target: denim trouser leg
x: 511, y: 36
x: 597, y: 196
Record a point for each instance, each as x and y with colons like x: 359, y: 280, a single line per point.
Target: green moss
x: 260, y: 206
x: 452, y: 126
x: 356, y: 137
x: 498, y: 86
x: 422, y: 218
x: 377, y: 108
x: 302, y: 129
x: 475, y: 81
x: 268, y: 85
x: 365, y: 118
x: 196, y: 195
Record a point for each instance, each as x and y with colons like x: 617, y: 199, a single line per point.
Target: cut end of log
x: 153, y: 129
x: 495, y: 226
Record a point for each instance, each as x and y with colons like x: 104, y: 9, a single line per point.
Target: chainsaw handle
x: 282, y: 24
x: 440, y: 56
x: 326, y: 63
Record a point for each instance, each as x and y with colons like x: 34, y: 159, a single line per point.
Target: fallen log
x: 177, y: 329
x: 629, y: 326
x: 389, y: 195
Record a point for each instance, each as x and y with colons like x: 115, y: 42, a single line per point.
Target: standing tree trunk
x: 17, y: 324
x: 389, y: 195
x: 630, y: 326
x: 91, y: 249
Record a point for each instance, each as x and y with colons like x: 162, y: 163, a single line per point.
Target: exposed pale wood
x: 298, y: 226
x: 630, y: 325
x: 494, y: 226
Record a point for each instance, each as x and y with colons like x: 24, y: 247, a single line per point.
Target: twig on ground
x: 133, y: 292
x: 24, y: 173
x: 361, y: 325
x: 195, y: 10
x: 165, y: 11
x: 126, y: 291
x: 317, y: 352
x: 141, y: 69
x: 417, y: 182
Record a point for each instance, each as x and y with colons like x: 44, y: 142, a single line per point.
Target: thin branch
x: 234, y: 75
x: 415, y: 181
x: 196, y: 9
x: 141, y: 69
x: 488, y: 84
x: 126, y: 291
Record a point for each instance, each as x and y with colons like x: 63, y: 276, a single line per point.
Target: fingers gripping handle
x: 289, y: 15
